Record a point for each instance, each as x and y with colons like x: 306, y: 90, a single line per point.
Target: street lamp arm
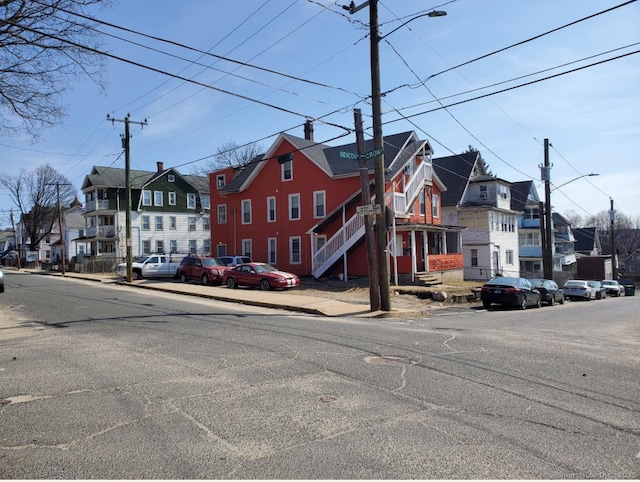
x: 434, y: 13
x: 575, y: 179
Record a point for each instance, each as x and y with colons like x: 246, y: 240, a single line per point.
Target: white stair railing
x: 338, y: 244
x: 422, y: 174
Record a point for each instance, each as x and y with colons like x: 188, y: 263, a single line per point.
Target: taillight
x: 513, y: 290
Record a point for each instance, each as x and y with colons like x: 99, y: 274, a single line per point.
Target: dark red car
x: 261, y: 275
x: 202, y: 268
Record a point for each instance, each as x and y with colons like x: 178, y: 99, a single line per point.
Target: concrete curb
x: 266, y: 299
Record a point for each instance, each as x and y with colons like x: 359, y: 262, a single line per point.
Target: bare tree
x: 230, y: 154
x: 576, y: 219
x: 35, y: 193
x: 41, y: 50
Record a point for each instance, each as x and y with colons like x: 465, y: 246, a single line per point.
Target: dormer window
x: 484, y: 191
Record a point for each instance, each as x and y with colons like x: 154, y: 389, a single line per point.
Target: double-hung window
x: 246, y: 211
x: 158, y: 198
x: 294, y: 207
x: 191, y: 200
x: 146, y: 198
x: 319, y: 204
x: 271, y: 209
x: 222, y: 214
x: 159, y: 224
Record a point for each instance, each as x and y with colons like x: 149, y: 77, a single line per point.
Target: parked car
x: 549, y: 291
x: 601, y: 291
x: 205, y: 269
x: 260, y: 275
x: 579, y: 290
x: 613, y: 287
x: 1, y: 281
x: 234, y: 260
x: 510, y: 291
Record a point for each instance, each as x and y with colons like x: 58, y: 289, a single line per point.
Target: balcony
x: 99, y: 205
x: 101, y: 232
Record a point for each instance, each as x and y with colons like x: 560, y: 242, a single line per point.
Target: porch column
x: 425, y: 246
x: 444, y: 243
x: 414, y: 264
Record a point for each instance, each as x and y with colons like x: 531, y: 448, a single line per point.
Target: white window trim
x: 291, y: 198
x: 146, y: 194
x: 284, y: 169
x: 172, y: 198
x: 222, y: 207
x: 156, y: 195
x: 316, y: 204
x: 275, y: 215
x: 291, y: 241
x: 435, y: 208
x: 274, y: 259
x: 192, y: 197
x: 243, y: 205
x: 248, y: 242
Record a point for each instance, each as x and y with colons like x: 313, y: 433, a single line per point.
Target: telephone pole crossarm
x: 127, y: 156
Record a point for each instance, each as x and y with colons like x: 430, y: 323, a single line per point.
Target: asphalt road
x: 102, y: 381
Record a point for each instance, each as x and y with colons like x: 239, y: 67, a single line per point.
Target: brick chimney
x: 160, y: 166
x: 308, y: 130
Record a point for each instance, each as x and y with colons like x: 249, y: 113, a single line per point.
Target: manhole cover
x: 388, y: 360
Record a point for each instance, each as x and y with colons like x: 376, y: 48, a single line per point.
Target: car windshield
x: 212, y: 262
x: 537, y: 282
x: 264, y: 268
x: 503, y: 281
x: 575, y: 283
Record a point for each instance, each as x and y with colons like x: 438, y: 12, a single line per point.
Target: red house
x: 296, y: 208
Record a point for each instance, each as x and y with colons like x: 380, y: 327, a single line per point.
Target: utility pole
x: 612, y: 217
x: 548, y: 247
x: 15, y: 238
x: 60, y: 227
x: 127, y: 156
x: 381, y: 219
x: 374, y: 291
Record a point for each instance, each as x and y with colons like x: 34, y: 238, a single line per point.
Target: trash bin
x: 629, y: 290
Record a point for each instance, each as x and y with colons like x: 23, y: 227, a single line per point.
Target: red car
x: 202, y: 268
x: 261, y: 275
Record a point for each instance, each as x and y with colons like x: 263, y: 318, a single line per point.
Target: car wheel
x: 552, y: 300
x: 136, y: 275
x: 264, y: 285
x: 204, y: 279
x: 562, y: 300
x: 523, y: 303
x: 598, y: 296
x: 539, y: 302
x: 231, y: 283
x: 183, y: 277
x: 486, y: 304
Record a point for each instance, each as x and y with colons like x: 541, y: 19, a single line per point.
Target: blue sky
x: 591, y: 116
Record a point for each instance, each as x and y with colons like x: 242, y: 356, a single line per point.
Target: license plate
x: 496, y: 290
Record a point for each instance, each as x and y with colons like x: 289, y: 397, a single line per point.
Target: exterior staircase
x: 353, y: 229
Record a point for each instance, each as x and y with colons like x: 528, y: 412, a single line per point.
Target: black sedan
x: 510, y: 291
x: 549, y: 290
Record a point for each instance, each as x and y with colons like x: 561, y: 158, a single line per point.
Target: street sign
x: 374, y: 153
x: 349, y: 155
x: 368, y: 209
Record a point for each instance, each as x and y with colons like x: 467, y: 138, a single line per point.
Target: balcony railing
x: 101, y: 232
x: 100, y: 204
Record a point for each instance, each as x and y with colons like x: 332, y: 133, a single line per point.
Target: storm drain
x: 388, y: 360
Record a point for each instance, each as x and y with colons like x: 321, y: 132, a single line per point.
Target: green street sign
x: 374, y: 153
x: 349, y: 155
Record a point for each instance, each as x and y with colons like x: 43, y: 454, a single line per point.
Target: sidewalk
x: 269, y: 299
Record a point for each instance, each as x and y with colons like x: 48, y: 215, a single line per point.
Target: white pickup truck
x: 153, y: 266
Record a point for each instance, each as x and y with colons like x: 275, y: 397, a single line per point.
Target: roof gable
x: 455, y: 172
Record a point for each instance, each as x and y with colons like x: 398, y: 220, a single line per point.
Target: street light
x: 575, y: 179
x: 376, y: 105
x: 545, y: 226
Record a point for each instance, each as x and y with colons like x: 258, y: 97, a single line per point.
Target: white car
x: 579, y: 290
x: 613, y: 287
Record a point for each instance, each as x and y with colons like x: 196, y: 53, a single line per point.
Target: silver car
x: 579, y: 290
x: 1, y: 281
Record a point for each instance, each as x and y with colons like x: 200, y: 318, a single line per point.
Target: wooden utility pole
x: 127, y: 156
x: 374, y: 289
x: 376, y: 104
x: 61, y: 227
x: 548, y: 251
x: 614, y: 263
x: 15, y: 238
